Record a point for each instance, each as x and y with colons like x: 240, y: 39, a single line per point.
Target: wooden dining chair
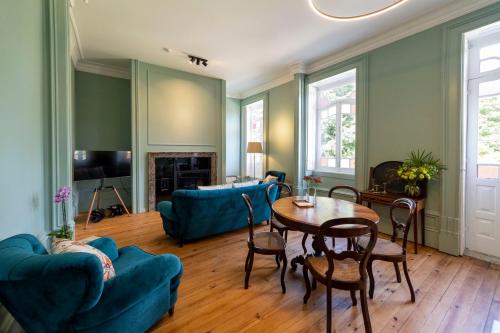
x: 275, y: 224
x: 390, y: 250
x: 357, y: 199
x: 357, y: 194
x: 267, y: 243
x: 345, y: 270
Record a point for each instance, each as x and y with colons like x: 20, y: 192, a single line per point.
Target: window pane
x: 348, y: 143
x: 489, y: 64
x: 489, y: 51
x: 255, y: 133
x: 489, y: 129
x: 335, y: 121
x: 489, y: 88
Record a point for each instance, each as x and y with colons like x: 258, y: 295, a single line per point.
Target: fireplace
x: 174, y: 171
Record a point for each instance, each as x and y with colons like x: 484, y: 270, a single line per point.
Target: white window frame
x: 314, y: 158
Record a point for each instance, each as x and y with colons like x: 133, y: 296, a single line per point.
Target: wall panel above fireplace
x: 172, y: 112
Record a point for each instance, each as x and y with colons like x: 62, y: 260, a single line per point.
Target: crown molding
x: 76, y: 49
x: 102, y: 69
x: 443, y: 15
x: 269, y: 85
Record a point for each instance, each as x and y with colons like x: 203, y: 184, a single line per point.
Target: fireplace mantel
x: 152, y: 179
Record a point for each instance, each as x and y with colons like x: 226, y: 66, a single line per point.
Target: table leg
x: 299, y: 260
x: 422, y: 222
x: 316, y: 245
x: 415, y: 233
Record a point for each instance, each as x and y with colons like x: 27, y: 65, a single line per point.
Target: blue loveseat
x: 66, y: 292
x: 194, y: 214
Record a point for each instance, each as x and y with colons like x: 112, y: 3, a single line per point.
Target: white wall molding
x: 102, y: 69
x: 76, y: 49
x: 284, y: 78
x: 443, y: 15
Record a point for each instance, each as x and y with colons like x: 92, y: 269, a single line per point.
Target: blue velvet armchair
x: 66, y: 292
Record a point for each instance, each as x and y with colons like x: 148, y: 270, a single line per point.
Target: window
x: 331, y: 138
x: 254, y: 119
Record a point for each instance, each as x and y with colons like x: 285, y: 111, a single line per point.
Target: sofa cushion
x: 215, y: 187
x: 245, y: 184
x: 60, y: 245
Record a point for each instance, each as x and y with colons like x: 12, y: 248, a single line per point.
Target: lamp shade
x: 254, y: 147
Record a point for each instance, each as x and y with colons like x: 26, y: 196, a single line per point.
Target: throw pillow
x: 60, y: 245
x: 215, y: 187
x: 269, y: 179
x: 244, y: 184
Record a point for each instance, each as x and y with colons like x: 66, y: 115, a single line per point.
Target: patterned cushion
x: 215, y: 187
x: 60, y: 245
x: 269, y: 179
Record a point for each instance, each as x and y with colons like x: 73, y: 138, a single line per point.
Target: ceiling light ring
x: 354, y: 17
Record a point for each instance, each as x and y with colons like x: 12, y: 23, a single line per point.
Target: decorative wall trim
x: 102, y: 69
x: 420, y: 24
x: 269, y: 85
x: 75, y: 41
x: 61, y: 122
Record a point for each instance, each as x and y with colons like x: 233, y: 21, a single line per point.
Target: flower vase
x: 311, y: 198
x: 412, y: 189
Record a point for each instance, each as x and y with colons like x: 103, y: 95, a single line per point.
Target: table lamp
x: 254, y: 148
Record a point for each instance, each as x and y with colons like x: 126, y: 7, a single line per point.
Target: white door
x: 483, y: 147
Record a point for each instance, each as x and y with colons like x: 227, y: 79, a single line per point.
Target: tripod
x: 97, y: 195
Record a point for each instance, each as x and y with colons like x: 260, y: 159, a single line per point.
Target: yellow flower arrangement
x: 420, y: 166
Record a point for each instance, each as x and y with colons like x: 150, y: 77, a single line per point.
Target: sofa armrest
x: 107, y: 246
x: 134, y: 284
x: 166, y: 210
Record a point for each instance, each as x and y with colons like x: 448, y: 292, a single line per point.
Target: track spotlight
x: 197, y: 60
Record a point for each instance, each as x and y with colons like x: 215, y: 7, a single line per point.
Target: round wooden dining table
x: 308, y: 220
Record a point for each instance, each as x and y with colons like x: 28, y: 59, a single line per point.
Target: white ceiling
x: 247, y: 42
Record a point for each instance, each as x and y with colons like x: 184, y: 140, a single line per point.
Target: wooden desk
x: 387, y: 199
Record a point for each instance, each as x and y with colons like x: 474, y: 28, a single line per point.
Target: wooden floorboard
x: 453, y: 294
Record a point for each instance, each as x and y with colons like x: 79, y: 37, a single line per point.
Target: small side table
x: 387, y: 199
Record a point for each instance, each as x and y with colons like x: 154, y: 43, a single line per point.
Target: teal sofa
x: 195, y: 214
x: 66, y: 292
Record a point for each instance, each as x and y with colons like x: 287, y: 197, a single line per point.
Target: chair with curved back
x: 356, y: 193
x: 275, y: 224
x: 357, y: 196
x: 346, y: 270
x: 267, y: 243
x: 389, y: 250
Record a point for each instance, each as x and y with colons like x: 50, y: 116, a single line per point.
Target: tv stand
x: 96, y: 195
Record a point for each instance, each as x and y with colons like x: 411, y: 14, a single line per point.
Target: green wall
x: 281, y: 108
x: 233, y: 127
x: 102, y: 121
x: 24, y: 110
x: 409, y: 94
x: 102, y: 112
x: 174, y: 111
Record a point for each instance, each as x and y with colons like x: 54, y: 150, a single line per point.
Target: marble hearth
x: 172, y: 171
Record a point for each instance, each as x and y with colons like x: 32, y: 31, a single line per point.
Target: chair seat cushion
x: 344, y: 270
x: 382, y: 247
x: 269, y: 241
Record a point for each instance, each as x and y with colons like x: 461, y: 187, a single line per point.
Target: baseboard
x: 482, y: 256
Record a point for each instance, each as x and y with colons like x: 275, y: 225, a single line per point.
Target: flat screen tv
x: 88, y: 164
